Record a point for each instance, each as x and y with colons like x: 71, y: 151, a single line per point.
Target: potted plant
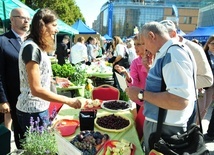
x: 40, y: 140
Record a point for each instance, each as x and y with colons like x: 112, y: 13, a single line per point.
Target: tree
x: 67, y: 10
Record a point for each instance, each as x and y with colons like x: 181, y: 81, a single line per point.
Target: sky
x: 90, y: 9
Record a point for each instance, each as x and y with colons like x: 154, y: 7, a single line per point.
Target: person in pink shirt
x: 137, y: 77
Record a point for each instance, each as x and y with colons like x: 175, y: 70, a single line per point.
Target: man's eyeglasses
x: 137, y: 44
x: 23, y: 18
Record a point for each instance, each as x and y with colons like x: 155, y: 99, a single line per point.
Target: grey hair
x: 170, y: 25
x: 154, y: 27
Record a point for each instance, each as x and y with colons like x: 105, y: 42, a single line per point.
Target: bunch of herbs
x: 76, y: 74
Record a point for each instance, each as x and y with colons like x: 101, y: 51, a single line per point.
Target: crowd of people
x: 156, y: 55
x: 83, y: 51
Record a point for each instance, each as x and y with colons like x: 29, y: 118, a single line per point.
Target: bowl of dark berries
x: 90, y: 142
x: 112, y: 122
x: 115, y: 105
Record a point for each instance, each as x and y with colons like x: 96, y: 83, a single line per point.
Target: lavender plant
x: 40, y: 140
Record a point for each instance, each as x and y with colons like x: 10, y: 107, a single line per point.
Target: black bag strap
x: 162, y: 112
x: 126, y: 53
x: 198, y: 111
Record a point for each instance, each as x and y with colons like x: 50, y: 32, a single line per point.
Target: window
x: 1, y: 27
x: 187, y: 20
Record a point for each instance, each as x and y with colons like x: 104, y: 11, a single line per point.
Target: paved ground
x: 205, y: 123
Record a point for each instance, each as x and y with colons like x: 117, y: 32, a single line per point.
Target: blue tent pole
x: 4, y: 20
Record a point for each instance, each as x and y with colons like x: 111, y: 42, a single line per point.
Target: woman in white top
x: 79, y: 52
x: 119, y: 49
x: 206, y: 99
x: 131, y: 50
x: 35, y: 72
x: 91, y: 50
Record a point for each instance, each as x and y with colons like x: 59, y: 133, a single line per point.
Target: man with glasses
x: 10, y: 43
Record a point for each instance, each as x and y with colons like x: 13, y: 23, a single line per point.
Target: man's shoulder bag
x: 189, y: 143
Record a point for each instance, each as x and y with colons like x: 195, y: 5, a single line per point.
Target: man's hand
x: 4, y: 107
x: 132, y: 92
x: 148, y: 60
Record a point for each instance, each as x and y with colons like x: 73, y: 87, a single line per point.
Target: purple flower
x: 32, y: 124
x: 37, y: 128
x: 31, y: 129
x: 38, y: 119
x: 31, y: 121
x: 41, y: 130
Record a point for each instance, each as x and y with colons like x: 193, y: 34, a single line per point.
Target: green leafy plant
x: 123, y: 96
x: 65, y: 70
x: 75, y: 74
x: 87, y: 94
x: 40, y: 140
x: 79, y: 76
x: 56, y: 69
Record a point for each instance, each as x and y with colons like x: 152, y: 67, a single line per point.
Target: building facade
x: 128, y: 14
x: 206, y: 16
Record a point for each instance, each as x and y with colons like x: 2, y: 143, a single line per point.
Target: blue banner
x: 175, y: 12
x: 110, y: 18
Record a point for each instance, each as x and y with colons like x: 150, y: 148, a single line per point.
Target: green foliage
x: 123, y: 96
x: 67, y: 10
x: 75, y: 74
x: 87, y: 94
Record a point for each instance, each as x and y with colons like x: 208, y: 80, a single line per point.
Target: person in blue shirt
x: 175, y: 64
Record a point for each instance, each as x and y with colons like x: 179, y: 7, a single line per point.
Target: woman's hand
x: 63, y: 82
x: 75, y: 103
x: 120, y: 69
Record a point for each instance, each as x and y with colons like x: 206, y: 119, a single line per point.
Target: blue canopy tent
x: 107, y: 37
x: 82, y: 28
x: 201, y: 34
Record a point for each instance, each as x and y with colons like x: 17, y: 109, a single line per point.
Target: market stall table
x: 100, y: 72
x: 129, y: 134
x: 73, y: 90
x: 101, y: 78
x: 53, y: 59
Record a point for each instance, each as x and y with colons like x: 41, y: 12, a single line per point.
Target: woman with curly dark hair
x: 207, y: 98
x: 35, y: 71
